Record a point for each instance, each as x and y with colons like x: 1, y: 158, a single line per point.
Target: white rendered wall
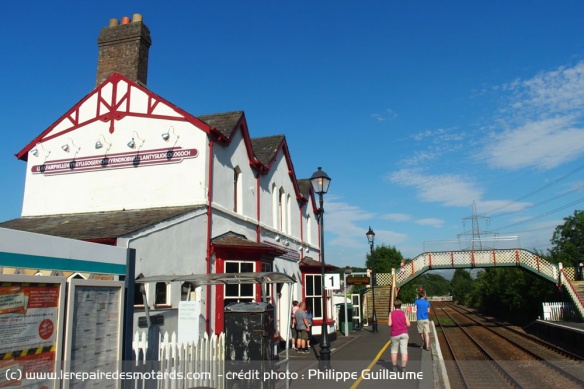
x: 164, y: 185
x: 225, y: 161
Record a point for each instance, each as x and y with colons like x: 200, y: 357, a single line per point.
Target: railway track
x: 481, y: 353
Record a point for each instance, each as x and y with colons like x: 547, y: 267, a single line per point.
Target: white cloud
x: 543, y: 144
x: 447, y: 189
x: 342, y: 220
x: 501, y: 206
x: 378, y: 117
x: 432, y: 222
x: 541, y: 124
x: 388, y: 114
x: 397, y: 217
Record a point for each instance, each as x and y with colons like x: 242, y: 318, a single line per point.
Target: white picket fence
x: 410, y: 310
x: 200, y: 363
x: 559, y: 311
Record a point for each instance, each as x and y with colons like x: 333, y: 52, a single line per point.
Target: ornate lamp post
x: 320, y: 182
x: 371, y: 238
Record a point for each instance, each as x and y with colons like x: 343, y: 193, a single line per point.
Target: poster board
x: 31, y: 327
x: 93, y: 344
x: 188, y: 321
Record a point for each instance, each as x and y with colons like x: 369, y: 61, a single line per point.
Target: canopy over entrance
x: 224, y: 278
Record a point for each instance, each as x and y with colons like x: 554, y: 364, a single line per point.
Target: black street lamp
x: 371, y: 238
x: 320, y: 182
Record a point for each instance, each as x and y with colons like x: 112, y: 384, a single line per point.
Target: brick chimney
x: 123, y: 48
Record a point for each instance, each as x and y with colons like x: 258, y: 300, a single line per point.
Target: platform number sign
x: 332, y: 281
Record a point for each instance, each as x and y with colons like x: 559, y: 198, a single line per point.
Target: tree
x: 461, y: 286
x: 568, y: 240
x: 384, y: 259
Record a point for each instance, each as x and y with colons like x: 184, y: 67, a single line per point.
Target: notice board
x: 93, y: 347
x: 31, y: 327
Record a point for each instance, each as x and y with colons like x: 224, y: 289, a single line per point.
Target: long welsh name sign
x: 115, y: 161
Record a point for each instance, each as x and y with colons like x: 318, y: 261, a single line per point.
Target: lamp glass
x: 370, y: 235
x: 166, y: 136
x: 131, y: 144
x: 65, y: 147
x: 35, y: 152
x: 320, y: 181
x: 98, y: 145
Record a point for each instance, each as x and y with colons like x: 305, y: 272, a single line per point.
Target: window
x: 288, y: 214
x: 274, y: 207
x: 187, y: 290
x: 282, y: 209
x: 161, y: 297
x: 267, y: 288
x: 308, y: 230
x: 237, y: 193
x: 235, y: 292
x: 313, y: 290
x: 138, y: 296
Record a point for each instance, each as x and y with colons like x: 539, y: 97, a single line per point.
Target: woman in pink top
x: 399, y: 323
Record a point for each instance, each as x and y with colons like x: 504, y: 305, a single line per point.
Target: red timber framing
x: 116, y: 109
x: 249, y: 252
x: 308, y: 266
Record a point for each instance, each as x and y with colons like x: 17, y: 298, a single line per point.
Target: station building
x: 192, y: 194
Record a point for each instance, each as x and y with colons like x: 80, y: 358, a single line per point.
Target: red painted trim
x: 209, y: 216
x: 518, y: 257
x: 495, y: 257
x: 413, y: 272
x: 451, y: 259
x: 107, y: 241
x: 219, y: 299
x: 572, y: 287
x: 112, y: 113
x: 258, y: 208
x: 472, y: 256
x: 301, y: 232
x: 430, y: 257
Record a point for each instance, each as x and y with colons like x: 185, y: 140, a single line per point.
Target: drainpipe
x: 258, y: 211
x: 209, y: 215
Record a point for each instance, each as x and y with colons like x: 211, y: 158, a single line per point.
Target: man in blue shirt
x: 422, y: 310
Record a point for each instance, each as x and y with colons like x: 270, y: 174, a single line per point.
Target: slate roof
x: 265, y: 148
x: 96, y: 225
x: 236, y: 240
x: 304, y: 187
x: 224, y: 122
x: 308, y: 262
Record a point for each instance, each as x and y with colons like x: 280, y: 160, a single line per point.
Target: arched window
x: 275, y: 209
x: 162, y: 294
x: 237, y: 192
x: 289, y: 214
x: 308, y: 237
x: 282, y: 210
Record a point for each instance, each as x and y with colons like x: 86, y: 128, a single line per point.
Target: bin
x: 249, y: 337
x: 342, y: 317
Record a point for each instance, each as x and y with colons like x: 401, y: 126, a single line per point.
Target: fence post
x: 152, y: 354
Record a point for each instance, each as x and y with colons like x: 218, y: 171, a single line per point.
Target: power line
x: 542, y: 215
x: 553, y: 182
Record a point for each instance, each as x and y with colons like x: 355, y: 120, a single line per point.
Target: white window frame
x: 239, y: 296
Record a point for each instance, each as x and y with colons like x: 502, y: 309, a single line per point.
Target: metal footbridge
x: 481, y: 259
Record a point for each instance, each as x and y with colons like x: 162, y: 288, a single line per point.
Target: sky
x: 415, y: 109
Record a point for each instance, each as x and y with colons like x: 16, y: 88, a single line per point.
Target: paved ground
x: 362, y: 360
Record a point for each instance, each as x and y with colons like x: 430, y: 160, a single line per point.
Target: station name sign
x: 115, y: 161
x: 355, y: 280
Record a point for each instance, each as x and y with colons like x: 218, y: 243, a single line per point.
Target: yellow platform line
x: 379, y: 354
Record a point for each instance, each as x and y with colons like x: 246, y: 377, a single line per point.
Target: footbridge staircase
x: 474, y: 259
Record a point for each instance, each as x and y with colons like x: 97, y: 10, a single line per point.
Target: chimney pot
x: 136, y: 18
x: 124, y: 49
x: 114, y: 22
